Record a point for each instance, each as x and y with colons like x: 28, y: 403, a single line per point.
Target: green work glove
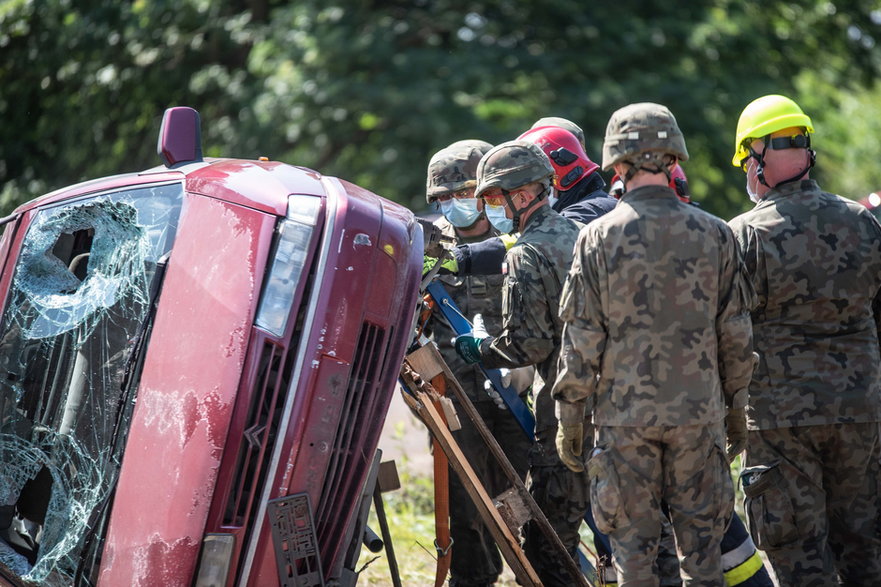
x: 468, y: 348
x: 570, y: 434
x: 735, y: 430
x: 448, y: 266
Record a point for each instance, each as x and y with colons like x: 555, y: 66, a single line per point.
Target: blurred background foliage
x: 369, y: 90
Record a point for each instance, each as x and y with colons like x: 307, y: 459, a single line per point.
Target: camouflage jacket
x: 814, y: 259
x: 473, y: 294
x: 656, y: 326
x: 536, y: 269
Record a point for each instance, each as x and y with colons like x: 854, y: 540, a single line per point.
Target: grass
x: 410, y: 514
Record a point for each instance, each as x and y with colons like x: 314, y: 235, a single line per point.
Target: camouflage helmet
x: 511, y: 165
x: 454, y: 168
x: 563, y: 123
x: 643, y: 128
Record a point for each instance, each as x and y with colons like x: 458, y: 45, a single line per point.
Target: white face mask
x: 552, y: 197
x: 752, y: 195
x: 751, y: 185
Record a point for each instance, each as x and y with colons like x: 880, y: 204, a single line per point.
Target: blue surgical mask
x: 496, y: 216
x: 461, y: 212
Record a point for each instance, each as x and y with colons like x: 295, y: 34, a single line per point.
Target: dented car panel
x: 185, y: 401
x: 145, y: 406
x: 233, y: 182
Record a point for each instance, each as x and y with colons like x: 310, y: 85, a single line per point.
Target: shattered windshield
x: 71, y: 338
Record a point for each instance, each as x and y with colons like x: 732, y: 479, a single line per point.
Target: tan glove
x: 570, y: 434
x: 518, y: 379
x: 735, y: 430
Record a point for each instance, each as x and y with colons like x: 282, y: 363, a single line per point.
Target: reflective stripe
x: 739, y: 555
x: 739, y: 574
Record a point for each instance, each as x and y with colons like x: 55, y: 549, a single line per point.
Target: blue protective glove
x: 468, y: 347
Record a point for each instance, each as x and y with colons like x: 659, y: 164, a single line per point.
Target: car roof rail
x: 180, y: 137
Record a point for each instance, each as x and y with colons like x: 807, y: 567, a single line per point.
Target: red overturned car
x: 195, y: 367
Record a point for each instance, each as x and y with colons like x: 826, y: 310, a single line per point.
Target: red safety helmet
x: 678, y: 182
x: 567, y: 156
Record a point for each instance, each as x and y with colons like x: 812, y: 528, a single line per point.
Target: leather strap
x: 443, y: 542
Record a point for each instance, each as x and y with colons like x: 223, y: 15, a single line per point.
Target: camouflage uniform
x: 475, y: 557
x: 656, y: 344
x: 536, y: 269
x: 811, y: 482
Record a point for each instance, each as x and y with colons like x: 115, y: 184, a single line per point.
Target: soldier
x: 656, y: 347
x: 452, y: 172
x: 811, y: 482
x: 578, y: 192
x: 513, y: 180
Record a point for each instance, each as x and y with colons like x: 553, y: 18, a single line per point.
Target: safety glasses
x: 497, y: 200
x: 744, y: 163
x: 459, y: 195
x: 776, y: 143
x: 496, y: 197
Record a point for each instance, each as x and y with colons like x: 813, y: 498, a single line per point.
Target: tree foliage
x: 369, y: 90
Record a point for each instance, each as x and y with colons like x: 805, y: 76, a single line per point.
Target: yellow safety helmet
x: 764, y: 116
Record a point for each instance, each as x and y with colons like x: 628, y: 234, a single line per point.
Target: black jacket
x: 586, y: 200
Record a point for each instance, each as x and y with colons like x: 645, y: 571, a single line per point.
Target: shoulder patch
x: 504, y: 267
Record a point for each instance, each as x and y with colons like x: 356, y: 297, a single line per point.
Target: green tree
x: 85, y: 84
x: 369, y: 90
x: 847, y: 126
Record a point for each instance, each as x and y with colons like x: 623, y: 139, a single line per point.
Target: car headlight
x: 291, y: 251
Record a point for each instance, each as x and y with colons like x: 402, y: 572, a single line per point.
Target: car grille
x: 359, y: 415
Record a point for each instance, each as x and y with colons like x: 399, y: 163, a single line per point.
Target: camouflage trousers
x: 812, y: 502
x: 634, y: 470
x: 560, y: 493
x: 475, y: 556
x: 562, y: 496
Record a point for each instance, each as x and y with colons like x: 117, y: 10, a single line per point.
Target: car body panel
x: 208, y: 368
x: 185, y: 397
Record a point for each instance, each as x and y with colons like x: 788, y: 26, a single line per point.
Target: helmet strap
x: 760, y: 168
x: 794, y: 142
x: 517, y: 212
x: 653, y: 163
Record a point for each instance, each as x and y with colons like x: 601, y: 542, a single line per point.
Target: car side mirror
x: 180, y: 136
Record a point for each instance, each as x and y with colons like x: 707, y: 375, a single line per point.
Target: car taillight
x: 217, y: 550
x: 291, y: 251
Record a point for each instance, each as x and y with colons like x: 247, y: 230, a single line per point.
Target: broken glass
x: 71, y: 338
